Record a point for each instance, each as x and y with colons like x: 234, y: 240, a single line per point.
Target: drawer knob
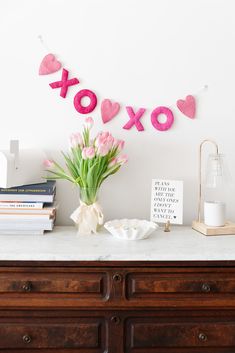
x: 117, y: 277
x: 27, y: 339
x: 27, y: 287
x: 206, y: 287
x: 202, y: 337
x: 116, y: 320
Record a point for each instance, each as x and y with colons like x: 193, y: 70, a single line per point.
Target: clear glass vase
x: 88, y: 195
x: 88, y: 216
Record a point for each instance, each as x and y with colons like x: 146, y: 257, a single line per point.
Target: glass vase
x: 88, y: 216
x: 88, y: 195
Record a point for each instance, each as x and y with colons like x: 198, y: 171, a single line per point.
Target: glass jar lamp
x: 213, y: 200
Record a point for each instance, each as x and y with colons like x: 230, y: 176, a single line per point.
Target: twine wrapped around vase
x: 88, y: 218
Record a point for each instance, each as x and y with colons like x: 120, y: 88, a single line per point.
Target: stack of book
x: 27, y: 209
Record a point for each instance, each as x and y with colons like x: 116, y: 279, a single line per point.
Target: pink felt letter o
x: 169, y: 121
x: 78, y: 98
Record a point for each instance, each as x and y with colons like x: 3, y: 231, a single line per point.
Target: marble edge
x: 49, y: 257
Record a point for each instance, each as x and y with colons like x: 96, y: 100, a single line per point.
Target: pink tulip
x: 120, y: 145
x: 113, y: 162
x: 104, y: 138
x: 76, y: 140
x: 103, y: 150
x: 99, y: 139
x: 48, y: 163
x: 104, y: 142
x: 79, y: 138
x: 115, y: 143
x: 84, y: 153
x: 122, y: 159
x: 109, y: 141
x: 89, y: 122
x: 88, y: 152
x: 105, y: 134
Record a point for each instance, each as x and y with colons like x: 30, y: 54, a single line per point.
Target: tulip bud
x: 89, y: 122
x: 113, y: 162
x: 76, y: 140
x: 122, y: 159
x: 48, y: 163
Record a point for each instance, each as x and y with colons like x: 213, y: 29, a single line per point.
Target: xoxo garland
x: 109, y: 110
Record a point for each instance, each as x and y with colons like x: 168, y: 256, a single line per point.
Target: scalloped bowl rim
x: 134, y: 230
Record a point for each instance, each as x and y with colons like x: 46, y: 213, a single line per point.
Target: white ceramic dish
x: 130, y: 229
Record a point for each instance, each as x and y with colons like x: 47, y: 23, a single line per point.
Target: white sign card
x: 167, y: 201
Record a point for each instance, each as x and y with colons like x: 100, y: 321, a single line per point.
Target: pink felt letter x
x: 64, y: 83
x: 134, y: 119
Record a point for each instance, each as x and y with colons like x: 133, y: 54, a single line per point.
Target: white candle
x: 214, y: 213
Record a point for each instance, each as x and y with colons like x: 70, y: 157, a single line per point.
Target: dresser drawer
x: 163, y: 334
x: 153, y: 285
x: 82, y: 334
x: 52, y: 287
x: 82, y: 283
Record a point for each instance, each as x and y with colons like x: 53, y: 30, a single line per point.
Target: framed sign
x: 167, y: 201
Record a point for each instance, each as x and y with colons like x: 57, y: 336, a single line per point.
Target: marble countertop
x: 63, y: 244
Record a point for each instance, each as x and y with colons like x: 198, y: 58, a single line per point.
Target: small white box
x: 21, y: 167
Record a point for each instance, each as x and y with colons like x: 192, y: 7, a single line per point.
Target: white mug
x: 214, y: 213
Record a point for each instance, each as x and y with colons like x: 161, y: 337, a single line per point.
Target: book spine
x: 21, y: 232
x: 46, y: 191
x: 23, y: 217
x: 37, y: 189
x: 21, y: 205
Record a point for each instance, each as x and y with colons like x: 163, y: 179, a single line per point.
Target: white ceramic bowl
x: 130, y: 229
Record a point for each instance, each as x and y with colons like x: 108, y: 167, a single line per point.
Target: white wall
x: 141, y: 53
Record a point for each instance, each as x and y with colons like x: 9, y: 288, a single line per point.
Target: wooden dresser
x: 62, y: 293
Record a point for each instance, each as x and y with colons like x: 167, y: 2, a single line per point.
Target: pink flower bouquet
x: 88, y: 164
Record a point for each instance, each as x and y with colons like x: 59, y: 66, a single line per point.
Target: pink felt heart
x: 187, y: 106
x: 49, y: 65
x: 109, y: 110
